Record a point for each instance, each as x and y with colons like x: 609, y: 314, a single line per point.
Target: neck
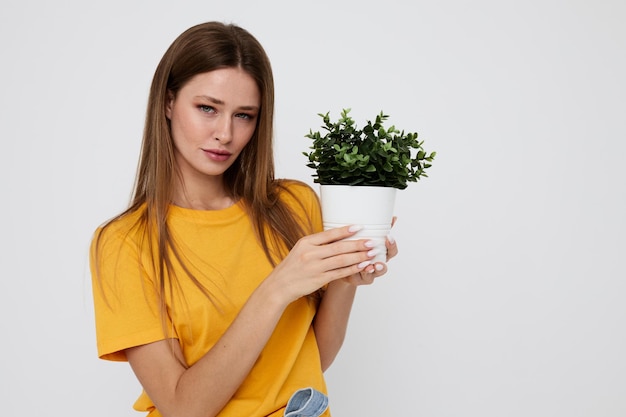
x: 207, y: 195
x: 217, y: 203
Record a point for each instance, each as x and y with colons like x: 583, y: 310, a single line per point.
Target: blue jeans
x: 306, y: 402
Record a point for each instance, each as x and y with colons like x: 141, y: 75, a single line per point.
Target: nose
x: 224, y: 129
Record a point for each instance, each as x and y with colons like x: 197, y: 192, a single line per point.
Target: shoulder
x: 123, y: 229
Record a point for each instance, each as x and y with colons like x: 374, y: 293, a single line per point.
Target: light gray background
x: 507, y: 298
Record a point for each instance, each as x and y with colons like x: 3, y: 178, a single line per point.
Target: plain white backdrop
x: 508, y: 296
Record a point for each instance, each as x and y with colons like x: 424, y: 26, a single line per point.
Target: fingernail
x: 370, y: 243
x: 363, y: 264
x: 379, y: 267
x: 373, y: 252
x: 391, y: 239
x: 355, y: 228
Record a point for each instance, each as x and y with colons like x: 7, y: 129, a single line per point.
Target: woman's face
x: 213, y: 117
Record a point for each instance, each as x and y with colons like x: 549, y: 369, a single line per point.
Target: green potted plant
x: 360, y: 169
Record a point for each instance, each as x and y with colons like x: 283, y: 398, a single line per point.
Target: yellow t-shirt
x: 222, y: 251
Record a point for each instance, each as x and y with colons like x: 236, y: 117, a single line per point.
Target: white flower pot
x: 370, y: 207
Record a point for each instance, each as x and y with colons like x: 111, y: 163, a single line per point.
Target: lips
x: 217, y: 154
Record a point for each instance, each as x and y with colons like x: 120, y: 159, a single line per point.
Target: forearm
x: 331, y: 320
x: 204, y: 388
x: 229, y: 362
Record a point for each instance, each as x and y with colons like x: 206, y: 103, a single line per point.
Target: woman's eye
x: 205, y: 108
x: 244, y: 116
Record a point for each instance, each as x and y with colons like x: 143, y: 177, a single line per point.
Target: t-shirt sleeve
x: 314, y: 210
x: 310, y: 202
x: 126, y: 304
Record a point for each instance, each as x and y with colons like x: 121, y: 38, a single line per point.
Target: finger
x: 349, y: 246
x: 378, y: 269
x: 344, y: 260
x: 392, y: 247
x: 374, y: 271
x: 352, y: 270
x: 332, y: 254
x: 333, y: 235
x: 393, y: 220
x: 370, y: 269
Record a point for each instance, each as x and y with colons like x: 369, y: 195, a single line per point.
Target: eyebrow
x: 218, y: 101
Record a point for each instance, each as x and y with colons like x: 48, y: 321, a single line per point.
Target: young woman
x: 217, y: 284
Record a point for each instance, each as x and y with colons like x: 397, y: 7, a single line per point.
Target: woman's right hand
x: 317, y: 259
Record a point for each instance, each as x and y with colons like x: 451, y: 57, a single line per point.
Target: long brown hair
x: 203, y: 48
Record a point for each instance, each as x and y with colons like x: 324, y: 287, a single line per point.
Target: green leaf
x: 343, y: 153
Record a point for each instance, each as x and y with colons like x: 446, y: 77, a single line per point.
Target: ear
x: 169, y: 102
